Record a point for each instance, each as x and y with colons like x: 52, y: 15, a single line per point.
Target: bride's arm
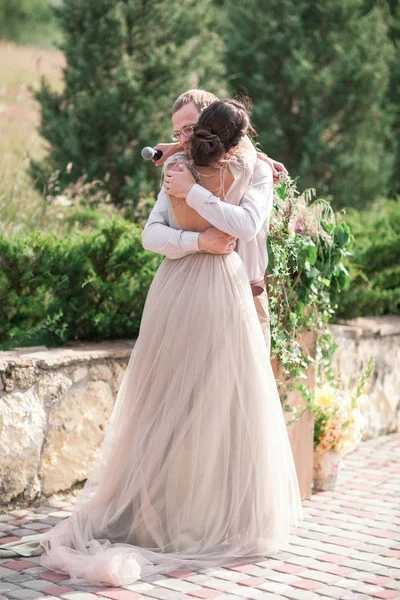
x: 244, y: 220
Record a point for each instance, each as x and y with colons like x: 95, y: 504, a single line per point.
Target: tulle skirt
x: 196, y: 468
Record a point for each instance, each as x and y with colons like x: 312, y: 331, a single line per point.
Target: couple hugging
x: 240, y: 225
x: 196, y: 468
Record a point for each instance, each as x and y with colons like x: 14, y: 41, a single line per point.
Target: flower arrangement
x: 308, y: 245
x: 339, y: 422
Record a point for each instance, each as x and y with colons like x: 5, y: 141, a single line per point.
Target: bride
x: 196, y: 468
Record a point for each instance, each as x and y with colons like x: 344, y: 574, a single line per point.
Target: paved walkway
x: 347, y: 547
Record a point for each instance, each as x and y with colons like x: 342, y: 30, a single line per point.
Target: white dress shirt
x: 248, y: 221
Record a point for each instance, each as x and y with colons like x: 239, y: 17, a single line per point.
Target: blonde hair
x: 200, y: 98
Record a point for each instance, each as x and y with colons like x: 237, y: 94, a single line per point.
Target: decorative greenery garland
x: 307, y: 246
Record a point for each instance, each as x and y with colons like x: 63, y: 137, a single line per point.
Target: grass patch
x: 21, y: 67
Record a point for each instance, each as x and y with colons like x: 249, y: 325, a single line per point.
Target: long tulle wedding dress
x: 196, y: 468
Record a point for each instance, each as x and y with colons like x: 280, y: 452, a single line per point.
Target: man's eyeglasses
x: 186, y: 131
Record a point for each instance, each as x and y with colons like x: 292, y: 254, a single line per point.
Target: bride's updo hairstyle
x: 219, y: 128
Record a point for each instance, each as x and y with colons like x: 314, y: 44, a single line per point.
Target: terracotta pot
x: 326, y: 470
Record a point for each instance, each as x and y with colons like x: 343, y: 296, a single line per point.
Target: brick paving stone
x: 117, y: 594
x: 288, y: 568
x: 228, y: 574
x: 6, y: 586
x: 222, y: 585
x: 365, y: 588
x: 319, y: 576
x: 200, y: 579
x: 153, y: 578
x: 36, y: 584
x: 178, y: 585
x: 36, y: 570
x: 352, y: 596
x: 276, y: 588
x: 333, y: 591
x: 17, y: 577
x: 5, y: 572
x: 346, y: 547
x: 386, y: 594
x: 180, y: 574
x: 331, y: 558
x: 52, y: 576
x: 282, y: 577
x: 18, y: 565
x: 80, y: 588
x: 205, y: 594
x: 164, y: 594
x: 25, y: 594
x: 301, y: 595
x: 57, y: 590
x: 35, y: 560
x: 36, y: 527
x: 81, y: 596
x: 307, y: 584
x: 229, y: 597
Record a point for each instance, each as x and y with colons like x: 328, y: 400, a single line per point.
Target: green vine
x: 307, y: 246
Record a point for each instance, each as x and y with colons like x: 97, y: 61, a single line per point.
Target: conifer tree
x: 126, y: 62
x: 318, y: 74
x: 393, y: 20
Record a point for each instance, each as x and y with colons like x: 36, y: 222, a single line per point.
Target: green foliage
x: 308, y: 245
x: 375, y: 270
x: 318, y: 75
x: 392, y: 13
x: 127, y: 61
x: 91, y: 285
x: 26, y: 21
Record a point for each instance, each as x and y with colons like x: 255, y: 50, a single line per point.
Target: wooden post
x: 301, y: 433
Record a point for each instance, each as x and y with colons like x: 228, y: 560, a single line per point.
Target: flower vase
x: 326, y: 466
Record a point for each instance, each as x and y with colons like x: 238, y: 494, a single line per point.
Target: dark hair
x: 219, y: 128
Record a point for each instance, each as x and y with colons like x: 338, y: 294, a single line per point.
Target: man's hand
x: 167, y: 150
x: 277, y: 167
x: 216, y: 242
x: 178, y: 182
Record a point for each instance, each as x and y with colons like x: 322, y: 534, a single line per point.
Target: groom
x: 242, y: 227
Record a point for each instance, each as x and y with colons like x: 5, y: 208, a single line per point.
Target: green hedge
x: 89, y: 285
x: 375, y: 262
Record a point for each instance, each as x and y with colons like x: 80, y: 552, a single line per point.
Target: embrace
x: 196, y: 468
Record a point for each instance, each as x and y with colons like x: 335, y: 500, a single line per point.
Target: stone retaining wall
x: 379, y: 338
x: 54, y: 407
x: 55, y: 404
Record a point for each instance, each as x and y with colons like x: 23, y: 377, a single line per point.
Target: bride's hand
x: 177, y: 182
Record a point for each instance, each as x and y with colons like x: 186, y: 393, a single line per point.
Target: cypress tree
x: 126, y: 62
x: 392, y: 11
x: 318, y: 74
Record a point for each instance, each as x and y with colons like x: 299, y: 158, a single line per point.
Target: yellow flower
x: 325, y: 397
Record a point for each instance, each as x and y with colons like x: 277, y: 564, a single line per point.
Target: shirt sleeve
x: 244, y: 220
x: 159, y: 237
